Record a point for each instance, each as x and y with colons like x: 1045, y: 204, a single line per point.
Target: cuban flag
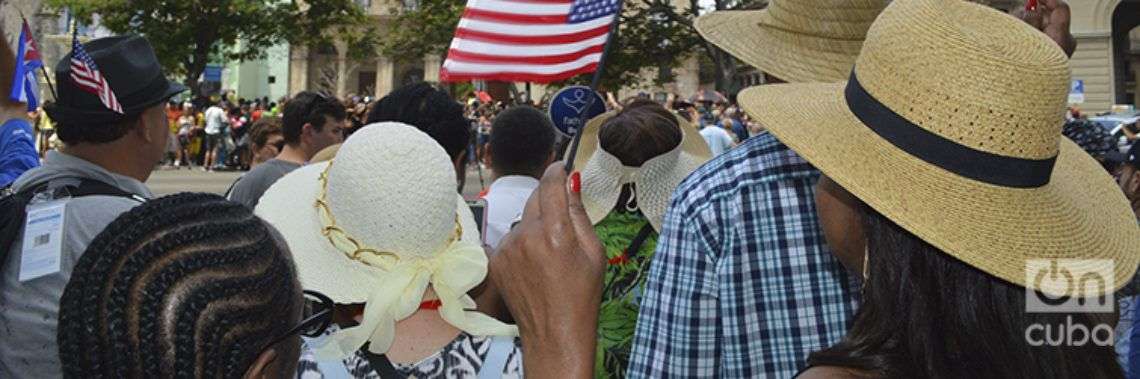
x: 24, y: 88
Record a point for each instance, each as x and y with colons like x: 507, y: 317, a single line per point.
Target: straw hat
x: 603, y: 173
x: 951, y: 127
x: 795, y: 40
x: 326, y: 154
x: 377, y: 225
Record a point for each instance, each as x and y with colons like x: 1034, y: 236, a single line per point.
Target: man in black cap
x: 107, y: 152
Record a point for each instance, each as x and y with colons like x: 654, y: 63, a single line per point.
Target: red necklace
x: 431, y: 305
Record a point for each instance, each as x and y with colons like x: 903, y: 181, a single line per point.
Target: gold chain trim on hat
x: 349, y: 245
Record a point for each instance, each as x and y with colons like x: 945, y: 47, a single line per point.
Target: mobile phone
x: 479, y: 210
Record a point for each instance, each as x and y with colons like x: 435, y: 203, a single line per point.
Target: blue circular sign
x: 571, y: 107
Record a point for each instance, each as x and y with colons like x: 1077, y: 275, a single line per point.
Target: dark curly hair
x: 185, y: 286
x: 522, y: 140
x: 430, y: 110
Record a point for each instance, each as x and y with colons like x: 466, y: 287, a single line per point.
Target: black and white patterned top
x: 1089, y: 136
x: 462, y: 358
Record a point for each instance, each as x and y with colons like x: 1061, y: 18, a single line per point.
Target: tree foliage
x: 647, y: 39
x: 423, y: 29
x: 187, y: 33
x: 723, y: 66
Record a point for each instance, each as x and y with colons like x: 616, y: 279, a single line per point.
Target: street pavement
x: 165, y: 182
x: 169, y: 181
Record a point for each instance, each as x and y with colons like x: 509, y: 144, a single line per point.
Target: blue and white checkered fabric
x: 742, y: 284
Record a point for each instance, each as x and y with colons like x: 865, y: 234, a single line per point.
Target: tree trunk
x: 725, y: 66
x: 197, y: 65
x: 726, y: 69
x: 194, y: 70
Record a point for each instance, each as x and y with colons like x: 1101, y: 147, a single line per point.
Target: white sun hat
x: 603, y: 174
x: 377, y: 225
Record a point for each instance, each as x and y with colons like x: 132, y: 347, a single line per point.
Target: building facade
x: 268, y: 77
x: 1106, y: 62
x: 1107, y: 59
x: 329, y: 68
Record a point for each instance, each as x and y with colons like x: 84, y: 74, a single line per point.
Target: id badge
x: 43, y: 240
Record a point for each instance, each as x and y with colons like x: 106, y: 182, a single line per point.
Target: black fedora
x: 129, y: 66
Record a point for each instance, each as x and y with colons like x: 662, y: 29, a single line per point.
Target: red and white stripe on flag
x: 88, y: 78
x: 528, y: 40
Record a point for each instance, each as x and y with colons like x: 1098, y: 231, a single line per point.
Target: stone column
x: 1136, y: 76
x: 431, y: 68
x: 385, y: 72
x: 341, y: 68
x: 298, y: 69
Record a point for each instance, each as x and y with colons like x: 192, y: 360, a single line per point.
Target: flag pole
x: 47, y: 79
x: 594, y: 82
x: 606, y: 50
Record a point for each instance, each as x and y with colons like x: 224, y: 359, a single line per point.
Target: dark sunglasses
x: 319, y: 98
x: 280, y: 145
x: 317, y: 317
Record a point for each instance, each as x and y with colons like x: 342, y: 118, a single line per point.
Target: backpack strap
x: 91, y: 187
x: 230, y: 190
x: 15, y: 206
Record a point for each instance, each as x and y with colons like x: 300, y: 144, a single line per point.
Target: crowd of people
x: 213, y: 133
x: 882, y: 223
x: 720, y: 122
x: 221, y: 132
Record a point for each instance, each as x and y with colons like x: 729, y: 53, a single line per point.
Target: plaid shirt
x: 742, y: 285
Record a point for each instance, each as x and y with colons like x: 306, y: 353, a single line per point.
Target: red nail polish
x: 576, y: 182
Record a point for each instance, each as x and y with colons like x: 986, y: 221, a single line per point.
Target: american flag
x: 529, y: 40
x: 88, y: 78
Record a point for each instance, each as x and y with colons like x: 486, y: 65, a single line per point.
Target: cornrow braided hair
x: 185, y: 286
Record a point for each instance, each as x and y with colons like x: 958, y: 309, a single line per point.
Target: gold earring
x: 866, y: 270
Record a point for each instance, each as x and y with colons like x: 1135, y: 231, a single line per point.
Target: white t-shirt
x: 505, y: 202
x: 717, y: 138
x: 215, y: 120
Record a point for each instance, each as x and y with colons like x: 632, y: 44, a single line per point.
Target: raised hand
x: 1053, y: 18
x: 549, y: 270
